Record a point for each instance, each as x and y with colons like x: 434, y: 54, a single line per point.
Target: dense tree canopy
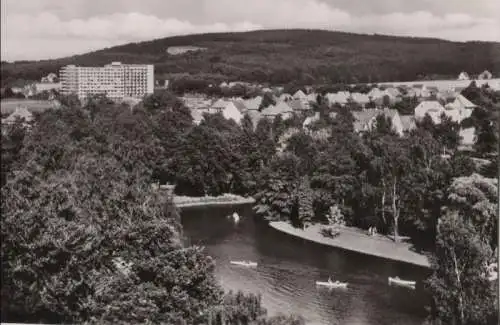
x: 83, y: 228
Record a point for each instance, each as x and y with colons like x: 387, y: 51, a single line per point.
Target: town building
x: 116, y: 80
x: 432, y: 108
x: 485, y: 75
x: 366, y: 120
x: 463, y: 76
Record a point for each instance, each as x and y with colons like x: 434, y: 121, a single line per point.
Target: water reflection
x: 288, y: 268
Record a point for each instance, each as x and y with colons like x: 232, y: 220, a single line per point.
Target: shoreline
x: 355, y: 240
x: 226, y: 199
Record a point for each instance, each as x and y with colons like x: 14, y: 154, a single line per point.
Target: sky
x: 43, y: 29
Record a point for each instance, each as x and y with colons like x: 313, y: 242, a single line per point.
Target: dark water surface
x: 288, y: 268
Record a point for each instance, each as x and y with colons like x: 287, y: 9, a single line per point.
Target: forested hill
x: 283, y: 56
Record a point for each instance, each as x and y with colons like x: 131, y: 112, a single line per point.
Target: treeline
x: 284, y: 56
x: 83, y: 228
x: 87, y: 239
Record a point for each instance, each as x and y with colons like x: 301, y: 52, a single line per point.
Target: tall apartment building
x: 117, y: 81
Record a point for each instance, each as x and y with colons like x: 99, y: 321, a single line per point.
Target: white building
x: 115, y: 80
x: 463, y: 76
x: 433, y: 108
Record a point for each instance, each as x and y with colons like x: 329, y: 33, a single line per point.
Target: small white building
x: 22, y: 113
x: 253, y: 104
x: 300, y: 95
x: 280, y: 108
x: 431, y: 107
x: 463, y: 76
x: 228, y: 110
x: 485, y: 75
x: 460, y: 109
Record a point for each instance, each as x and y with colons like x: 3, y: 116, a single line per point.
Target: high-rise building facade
x: 117, y: 81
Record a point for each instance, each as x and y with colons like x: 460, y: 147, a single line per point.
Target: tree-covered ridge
x: 283, y: 56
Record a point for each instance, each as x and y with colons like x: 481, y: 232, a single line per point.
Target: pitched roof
x: 296, y: 105
x: 285, y: 96
x: 429, y: 106
x: 299, y: 94
x: 253, y: 103
x: 240, y: 105
x: 311, y: 119
x: 279, y: 108
x: 340, y: 97
x: 364, y: 117
x: 408, y: 122
x: 454, y: 114
x: 197, y: 115
x: 376, y: 93
x: 255, y: 116
x: 465, y: 102
x: 360, y: 98
x: 20, y: 112
x: 219, y: 103
x: 392, y: 92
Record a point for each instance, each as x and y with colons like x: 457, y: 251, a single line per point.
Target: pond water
x: 288, y: 268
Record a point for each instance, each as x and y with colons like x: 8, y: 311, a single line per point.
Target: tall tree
x: 460, y: 289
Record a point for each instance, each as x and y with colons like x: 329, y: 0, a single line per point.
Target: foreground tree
x: 462, y: 294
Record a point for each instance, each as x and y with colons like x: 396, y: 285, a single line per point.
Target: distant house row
x: 485, y: 75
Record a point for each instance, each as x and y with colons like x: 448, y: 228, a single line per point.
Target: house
x: 340, y: 97
x: 392, y: 92
x: 300, y: 95
x: 463, y: 76
x: 312, y: 97
x: 255, y: 117
x: 240, y: 105
x: 22, y: 113
x: 283, y: 139
x: 298, y: 106
x: 468, y: 137
x: 285, y: 97
x: 360, y: 98
x: 310, y: 120
x: 217, y: 107
x: 280, y: 108
x: 485, y: 75
x: 365, y: 120
x: 411, y: 92
x: 408, y: 122
x: 460, y: 109
x: 231, y: 112
x: 228, y: 110
x: 431, y: 107
x: 253, y: 104
x: 50, y: 78
x: 197, y: 116
x: 376, y: 93
x: 446, y: 95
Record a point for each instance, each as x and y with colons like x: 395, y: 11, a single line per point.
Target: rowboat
x: 403, y: 283
x: 244, y: 263
x: 332, y: 284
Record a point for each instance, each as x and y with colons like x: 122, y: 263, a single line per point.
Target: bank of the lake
x: 357, y: 241
x: 226, y: 199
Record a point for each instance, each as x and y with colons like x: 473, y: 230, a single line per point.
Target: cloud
x: 44, y: 35
x: 58, y: 28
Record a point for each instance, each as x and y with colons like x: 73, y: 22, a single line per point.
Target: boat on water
x: 332, y: 284
x: 403, y: 283
x: 244, y: 263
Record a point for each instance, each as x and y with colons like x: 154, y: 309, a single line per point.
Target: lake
x: 288, y: 268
